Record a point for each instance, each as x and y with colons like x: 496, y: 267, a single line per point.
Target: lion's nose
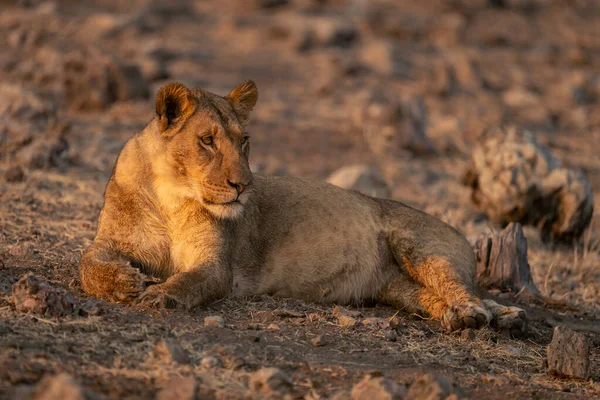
x: 239, y: 186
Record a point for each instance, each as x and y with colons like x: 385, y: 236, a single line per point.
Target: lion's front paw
x: 462, y: 316
x: 129, y: 283
x: 155, y: 297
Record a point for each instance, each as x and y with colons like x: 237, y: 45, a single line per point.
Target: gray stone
x: 363, y: 179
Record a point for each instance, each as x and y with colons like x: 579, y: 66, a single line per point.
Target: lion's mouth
x: 225, y: 203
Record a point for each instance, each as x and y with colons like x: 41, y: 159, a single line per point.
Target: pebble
x: 214, y: 321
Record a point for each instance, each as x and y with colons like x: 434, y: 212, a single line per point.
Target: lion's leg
x: 453, y: 285
x: 403, y: 293
x: 203, y: 284
x: 106, y: 273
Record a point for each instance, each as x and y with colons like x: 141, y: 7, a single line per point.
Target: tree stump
x: 569, y: 354
x: 502, y: 260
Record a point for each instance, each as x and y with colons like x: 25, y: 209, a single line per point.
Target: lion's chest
x: 185, y: 240
x: 193, y: 243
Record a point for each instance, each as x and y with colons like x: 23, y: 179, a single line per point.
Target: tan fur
x: 183, y: 205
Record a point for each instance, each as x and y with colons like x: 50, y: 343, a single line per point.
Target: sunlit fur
x: 172, y: 210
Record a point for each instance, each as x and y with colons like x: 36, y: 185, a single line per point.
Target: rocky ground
x: 400, y: 86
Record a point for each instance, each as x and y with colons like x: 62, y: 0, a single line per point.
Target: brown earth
x: 473, y: 64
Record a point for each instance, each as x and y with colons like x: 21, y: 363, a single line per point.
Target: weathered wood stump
x: 502, y: 260
x: 569, y: 354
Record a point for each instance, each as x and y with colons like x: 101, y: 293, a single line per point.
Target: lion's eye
x: 207, y: 140
x: 245, y: 140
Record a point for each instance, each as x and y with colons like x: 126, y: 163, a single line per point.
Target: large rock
x: 386, y: 58
x: 94, y: 79
x: 30, y: 133
x: 391, y: 126
x: 516, y: 179
x: 569, y: 354
x: 361, y: 178
x: 33, y: 294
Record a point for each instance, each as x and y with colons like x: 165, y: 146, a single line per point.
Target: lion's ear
x: 174, y: 104
x: 243, y: 99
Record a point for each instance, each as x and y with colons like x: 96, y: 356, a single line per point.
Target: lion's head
x: 206, y: 144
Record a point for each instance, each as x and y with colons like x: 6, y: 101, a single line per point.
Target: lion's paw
x: 512, y: 320
x: 129, y: 283
x: 155, y: 297
x: 468, y: 315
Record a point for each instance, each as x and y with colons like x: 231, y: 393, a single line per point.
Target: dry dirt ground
x: 474, y: 64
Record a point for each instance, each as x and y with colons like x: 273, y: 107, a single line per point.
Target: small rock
x: 380, y: 323
x: 214, y: 321
x: 153, y: 69
x: 390, y: 336
x: 91, y: 308
x: 513, y: 350
x: 433, y: 387
x: 270, y: 381
x: 235, y: 363
x: 283, y: 313
x: 386, y: 58
x: 377, y: 388
x: 345, y: 320
x: 58, y: 387
x: 319, y: 341
x: 395, y: 323
x: 569, y: 354
x: 337, y: 311
x: 33, y: 294
x: 179, y: 388
x: 361, y: 178
x: 335, y: 32
x: 468, y: 334
x: 14, y: 174
x: 210, y: 362
x: 273, y: 327
x: 168, y: 350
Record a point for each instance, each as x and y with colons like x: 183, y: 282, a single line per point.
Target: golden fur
x: 182, y: 205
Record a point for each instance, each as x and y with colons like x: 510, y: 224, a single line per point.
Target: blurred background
x: 460, y: 65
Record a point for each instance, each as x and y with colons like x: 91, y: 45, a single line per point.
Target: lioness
x: 182, y: 205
